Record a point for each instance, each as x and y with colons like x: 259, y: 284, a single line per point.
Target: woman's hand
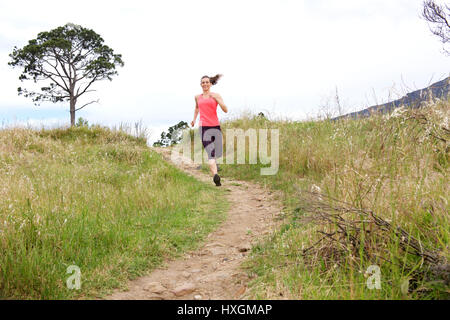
x: 192, y: 123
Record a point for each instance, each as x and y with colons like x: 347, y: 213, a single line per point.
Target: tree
x: 439, y: 17
x: 68, y: 59
x: 173, y: 136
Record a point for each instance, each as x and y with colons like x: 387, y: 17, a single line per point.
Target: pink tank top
x: 208, y: 111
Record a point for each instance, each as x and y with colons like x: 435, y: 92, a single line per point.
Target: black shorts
x: 212, y: 141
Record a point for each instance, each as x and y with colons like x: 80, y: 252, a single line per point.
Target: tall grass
x: 97, y: 199
x: 393, y: 166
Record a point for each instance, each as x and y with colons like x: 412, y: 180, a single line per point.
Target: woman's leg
x: 210, y: 144
x: 212, y: 166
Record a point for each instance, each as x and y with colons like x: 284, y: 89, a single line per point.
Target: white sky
x: 283, y: 57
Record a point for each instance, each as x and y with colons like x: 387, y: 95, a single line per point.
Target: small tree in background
x: 173, y: 136
x: 68, y: 60
x: 82, y: 122
x: 439, y: 18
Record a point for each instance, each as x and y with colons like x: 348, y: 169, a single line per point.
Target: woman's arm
x: 220, y: 101
x: 195, y: 112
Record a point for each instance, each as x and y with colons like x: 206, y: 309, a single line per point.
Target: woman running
x: 209, y: 126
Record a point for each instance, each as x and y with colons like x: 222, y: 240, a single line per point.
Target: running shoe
x: 216, y: 180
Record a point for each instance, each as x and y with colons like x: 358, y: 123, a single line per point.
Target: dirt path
x: 213, y: 271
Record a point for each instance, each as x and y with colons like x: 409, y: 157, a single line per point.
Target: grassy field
x: 97, y: 199
x: 357, y: 193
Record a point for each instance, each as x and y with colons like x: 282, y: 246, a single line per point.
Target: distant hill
x: 414, y: 99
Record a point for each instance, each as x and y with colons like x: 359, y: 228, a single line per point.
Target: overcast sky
x: 285, y: 58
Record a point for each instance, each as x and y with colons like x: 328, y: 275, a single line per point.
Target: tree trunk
x: 72, y: 111
x: 73, y: 101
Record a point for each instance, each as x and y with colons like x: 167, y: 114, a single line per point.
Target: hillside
x: 359, y: 195
x: 96, y: 199
x: 416, y: 99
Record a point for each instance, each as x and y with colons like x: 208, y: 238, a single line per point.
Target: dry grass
x: 95, y: 198
x: 395, y: 167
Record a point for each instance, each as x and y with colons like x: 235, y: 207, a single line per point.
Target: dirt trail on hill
x: 213, y: 270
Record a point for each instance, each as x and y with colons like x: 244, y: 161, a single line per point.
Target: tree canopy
x: 68, y: 59
x: 439, y: 18
x: 173, y: 136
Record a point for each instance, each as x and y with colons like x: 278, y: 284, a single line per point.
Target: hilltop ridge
x: 414, y: 99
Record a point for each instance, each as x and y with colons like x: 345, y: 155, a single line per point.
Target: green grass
x: 97, y: 199
x: 396, y: 167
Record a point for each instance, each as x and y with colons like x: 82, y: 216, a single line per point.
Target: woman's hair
x: 214, y: 79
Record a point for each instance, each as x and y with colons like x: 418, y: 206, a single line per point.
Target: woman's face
x: 206, y: 84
